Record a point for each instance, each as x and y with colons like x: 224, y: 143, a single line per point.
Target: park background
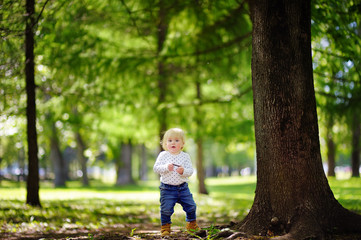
x: 112, y: 76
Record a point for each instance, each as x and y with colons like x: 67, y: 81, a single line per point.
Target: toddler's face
x: 174, y: 145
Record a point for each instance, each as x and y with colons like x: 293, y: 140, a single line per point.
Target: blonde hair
x: 173, y: 132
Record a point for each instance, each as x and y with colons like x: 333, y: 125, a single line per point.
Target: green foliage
x: 336, y: 44
x: 97, y: 72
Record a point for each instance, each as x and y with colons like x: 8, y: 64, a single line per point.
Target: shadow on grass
x: 102, y: 208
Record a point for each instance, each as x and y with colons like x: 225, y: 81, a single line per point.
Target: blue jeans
x: 170, y: 195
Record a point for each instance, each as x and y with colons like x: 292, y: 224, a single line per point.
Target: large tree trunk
x: 124, y: 175
x: 356, y: 132
x: 82, y: 159
x: 331, y: 148
x: 32, y: 197
x: 292, y: 197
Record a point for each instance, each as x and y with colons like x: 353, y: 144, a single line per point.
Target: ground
x: 132, y: 212
x: 146, y: 231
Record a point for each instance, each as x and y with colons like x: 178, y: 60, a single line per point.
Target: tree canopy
x: 122, y: 71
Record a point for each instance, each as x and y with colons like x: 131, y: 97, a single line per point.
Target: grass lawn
x: 134, y: 207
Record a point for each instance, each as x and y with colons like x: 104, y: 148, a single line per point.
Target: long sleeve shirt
x: 172, y: 177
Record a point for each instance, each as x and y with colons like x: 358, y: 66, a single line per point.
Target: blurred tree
x: 331, y: 148
x: 337, y: 66
x: 57, y: 158
x: 82, y: 159
x: 356, y: 134
x: 124, y: 167
x: 143, y: 168
x: 161, y: 33
x: 293, y: 198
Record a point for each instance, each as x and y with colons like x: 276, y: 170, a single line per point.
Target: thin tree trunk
x: 143, y: 163
x: 200, y: 169
x: 356, y: 132
x: 32, y: 197
x: 162, y: 29
x: 292, y: 197
x: 82, y: 159
x: 1, y: 159
x: 331, y: 149
x: 57, y: 159
x: 21, y: 160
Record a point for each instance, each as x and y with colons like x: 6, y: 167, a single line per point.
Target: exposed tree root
x: 347, y: 221
x: 305, y: 228
x: 305, y: 225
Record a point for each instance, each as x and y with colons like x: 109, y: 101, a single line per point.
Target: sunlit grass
x: 347, y: 192
x: 105, y: 205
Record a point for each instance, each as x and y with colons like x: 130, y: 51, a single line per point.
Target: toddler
x: 175, y: 167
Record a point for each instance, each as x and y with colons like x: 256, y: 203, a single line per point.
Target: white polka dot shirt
x: 172, y: 177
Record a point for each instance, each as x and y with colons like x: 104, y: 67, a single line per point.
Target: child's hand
x: 170, y: 167
x: 180, y: 170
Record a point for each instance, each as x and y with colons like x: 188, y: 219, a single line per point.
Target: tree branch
x: 133, y: 20
x: 198, y: 102
x: 41, y: 12
x: 332, y: 77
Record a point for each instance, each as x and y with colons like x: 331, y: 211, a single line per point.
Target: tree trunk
x: 162, y: 29
x: 199, y: 120
x: 21, y: 160
x: 143, y: 163
x: 355, y: 157
x: 57, y: 159
x: 331, y: 148
x: 1, y: 159
x: 200, y: 169
x: 293, y: 198
x: 82, y: 159
x: 32, y: 197
x: 125, y: 168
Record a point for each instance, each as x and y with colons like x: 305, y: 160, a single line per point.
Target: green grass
x: 347, y: 192
x: 104, y: 205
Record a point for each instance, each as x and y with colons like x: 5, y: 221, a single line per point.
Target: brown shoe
x: 192, y: 226
x: 165, y: 230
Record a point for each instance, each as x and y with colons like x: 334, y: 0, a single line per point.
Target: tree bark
x: 125, y: 166
x: 356, y: 132
x: 293, y: 198
x: 32, y: 197
x: 331, y: 148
